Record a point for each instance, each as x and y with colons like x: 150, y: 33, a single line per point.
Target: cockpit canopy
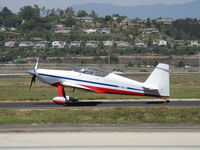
x: 93, y: 71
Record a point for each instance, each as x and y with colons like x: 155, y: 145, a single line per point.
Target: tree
x: 69, y: 12
x: 148, y: 23
x: 93, y: 14
x: 108, y: 18
x: 82, y: 13
x: 60, y: 12
x: 27, y: 12
x: 180, y: 64
x: 12, y: 21
x: 6, y: 13
x: 8, y: 19
x: 69, y: 22
x: 36, y: 11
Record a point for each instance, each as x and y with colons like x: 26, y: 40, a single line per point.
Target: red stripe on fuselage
x: 114, y: 91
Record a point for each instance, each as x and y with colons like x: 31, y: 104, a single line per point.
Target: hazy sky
x: 16, y: 4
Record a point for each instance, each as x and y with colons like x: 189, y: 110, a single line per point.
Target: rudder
x: 159, y: 80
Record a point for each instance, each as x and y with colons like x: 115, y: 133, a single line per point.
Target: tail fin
x: 159, y: 80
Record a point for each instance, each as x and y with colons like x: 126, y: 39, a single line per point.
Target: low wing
x: 84, y: 87
x: 75, y: 86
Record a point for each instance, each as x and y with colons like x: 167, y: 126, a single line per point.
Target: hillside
x: 175, y: 11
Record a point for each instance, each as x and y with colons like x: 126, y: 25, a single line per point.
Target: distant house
x: 58, y: 44
x: 89, y: 31
x: 105, y: 31
x: 137, y: 25
x: 12, y: 29
x: 115, y: 18
x: 2, y: 28
x: 150, y: 31
x: 165, y: 21
x: 91, y: 44
x: 155, y: 43
x: 59, y: 25
x: 10, y: 44
x: 140, y: 43
x: 75, y: 44
x: 26, y: 44
x: 178, y: 43
x: 41, y: 44
x: 37, y: 39
x: 63, y: 30
x: 108, y: 43
x: 162, y: 43
x: 194, y: 43
x: 122, y: 44
x: 85, y: 19
x: 126, y: 23
x: 126, y: 20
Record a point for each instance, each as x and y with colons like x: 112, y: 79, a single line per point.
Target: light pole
x: 199, y: 61
x: 109, y: 60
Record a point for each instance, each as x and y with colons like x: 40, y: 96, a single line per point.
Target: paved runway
x: 101, y: 141
x: 100, y: 104
x: 17, y: 128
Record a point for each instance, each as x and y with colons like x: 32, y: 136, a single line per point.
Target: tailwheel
x: 167, y: 101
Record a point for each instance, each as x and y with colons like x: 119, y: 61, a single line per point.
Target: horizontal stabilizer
x: 150, y: 88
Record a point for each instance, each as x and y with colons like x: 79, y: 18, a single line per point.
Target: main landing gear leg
x: 62, y: 98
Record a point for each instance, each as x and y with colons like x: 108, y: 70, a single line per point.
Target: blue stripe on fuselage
x: 116, y: 86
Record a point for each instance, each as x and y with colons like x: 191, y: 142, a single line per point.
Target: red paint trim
x: 60, y: 89
x: 114, y: 91
x: 59, y: 102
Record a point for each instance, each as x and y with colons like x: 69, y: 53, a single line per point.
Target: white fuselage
x: 111, y: 83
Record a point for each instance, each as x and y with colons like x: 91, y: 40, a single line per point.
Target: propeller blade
x: 32, y: 81
x: 36, y: 65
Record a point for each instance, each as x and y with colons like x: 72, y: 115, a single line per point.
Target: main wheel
x: 167, y: 101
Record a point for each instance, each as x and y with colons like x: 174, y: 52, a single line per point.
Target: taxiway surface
x: 100, y: 104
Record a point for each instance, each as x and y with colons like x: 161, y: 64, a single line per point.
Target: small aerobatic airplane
x: 157, y: 84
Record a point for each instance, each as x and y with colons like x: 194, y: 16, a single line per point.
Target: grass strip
x: 16, y: 89
x: 121, y: 115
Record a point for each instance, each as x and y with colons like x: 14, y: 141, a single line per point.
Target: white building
x: 140, y: 43
x: 58, y: 44
x: 10, y: 44
x: 75, y: 44
x: 122, y: 44
x: 105, y: 31
x: 165, y: 20
x: 92, y: 44
x: 26, y: 44
x: 86, y: 19
x: 150, y: 31
x: 162, y: 43
x: 194, y: 43
x: 41, y: 44
x: 89, y: 31
x: 63, y: 30
x: 108, y: 43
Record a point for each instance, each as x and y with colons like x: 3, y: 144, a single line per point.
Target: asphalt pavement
x: 101, y: 104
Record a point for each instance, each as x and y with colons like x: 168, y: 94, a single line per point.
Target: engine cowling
x: 63, y: 100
